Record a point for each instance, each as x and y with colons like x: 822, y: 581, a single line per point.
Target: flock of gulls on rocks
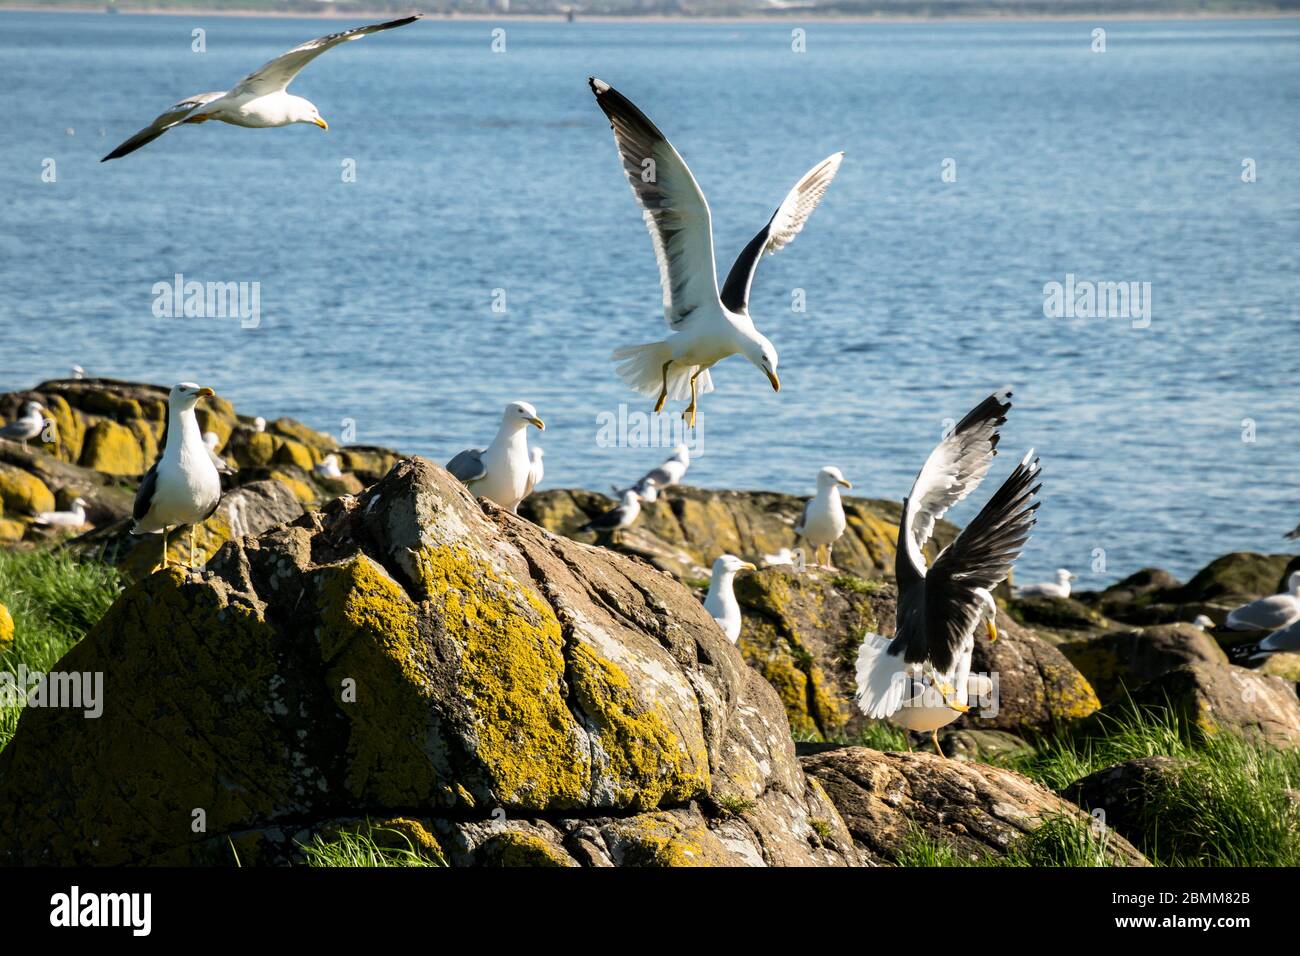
x: 919, y: 678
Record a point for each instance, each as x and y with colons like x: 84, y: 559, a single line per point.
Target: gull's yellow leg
x: 191, y: 547
x: 663, y: 392
x: 164, y: 556
x: 937, y: 748
x: 689, y: 414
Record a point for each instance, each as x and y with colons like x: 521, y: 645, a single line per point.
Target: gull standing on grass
x: 500, y: 472
x: 1269, y: 613
x: 940, y: 607
x: 182, y: 487
x: 260, y: 99
x: 721, y: 600
x: 74, y: 517
x: 29, y: 424
x: 670, y: 473
x: 822, y: 521
x: 1060, y: 588
x: 706, y: 324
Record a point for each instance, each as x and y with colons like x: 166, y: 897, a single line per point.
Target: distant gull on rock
x: 706, y: 324
x: 500, y: 472
x: 259, y: 424
x: 939, y: 607
x: 1204, y: 622
x: 822, y: 521
x: 78, y: 372
x: 1269, y: 613
x: 1058, y: 589
x: 29, y: 424
x: 74, y: 517
x: 328, y: 467
x: 670, y: 473
x: 260, y: 99
x: 721, y: 600
x: 224, y: 467
x: 183, y: 486
x: 621, y: 516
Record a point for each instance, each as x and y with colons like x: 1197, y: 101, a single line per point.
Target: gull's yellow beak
x: 992, y: 628
x: 846, y: 484
x: 776, y: 382
x: 206, y: 393
x: 319, y: 121
x: 746, y: 566
x: 541, y: 425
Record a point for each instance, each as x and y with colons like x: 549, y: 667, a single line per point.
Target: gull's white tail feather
x: 881, y: 678
x: 642, y: 368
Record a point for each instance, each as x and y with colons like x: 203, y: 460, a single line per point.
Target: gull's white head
x: 649, y: 491
x: 304, y: 111
x: 682, y: 454
x: 259, y: 424
x: 81, y: 503
x: 630, y: 497
x: 32, y: 409
x: 763, y: 354
x: 830, y: 476
x: 988, y: 608
x: 186, y: 395
x: 78, y: 372
x: 1064, y: 577
x: 522, y: 414
x: 730, y: 564
x: 330, y: 460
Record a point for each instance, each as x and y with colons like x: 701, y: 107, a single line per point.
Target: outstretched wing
x: 784, y: 225
x: 980, y: 557
x: 468, y: 465
x: 675, y: 212
x: 174, y: 116
x: 278, y: 73
x: 954, y: 469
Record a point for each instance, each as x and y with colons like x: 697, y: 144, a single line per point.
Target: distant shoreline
x: 775, y: 16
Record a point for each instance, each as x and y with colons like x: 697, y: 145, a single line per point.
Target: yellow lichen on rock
x: 514, y: 848
x: 294, y: 453
x: 511, y: 671
x: 69, y: 425
x: 6, y: 626
x: 301, y: 490
x: 23, y: 493
x: 113, y: 449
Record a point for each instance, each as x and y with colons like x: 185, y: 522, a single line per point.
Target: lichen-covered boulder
x: 1125, y: 797
x: 1234, y: 579
x: 413, y: 653
x: 113, y: 449
x: 1122, y: 660
x: 888, y: 799
x: 686, y: 528
x: 6, y: 625
x: 1213, y: 697
x: 1055, y: 617
x: 23, y: 493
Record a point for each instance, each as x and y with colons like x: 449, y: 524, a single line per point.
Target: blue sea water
x: 479, y: 171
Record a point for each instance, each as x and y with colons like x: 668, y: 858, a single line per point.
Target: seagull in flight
x: 705, y: 324
x: 260, y: 99
x: 939, y: 607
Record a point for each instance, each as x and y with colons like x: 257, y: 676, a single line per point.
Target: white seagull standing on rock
x: 328, y: 467
x: 823, y: 520
x: 1058, y: 589
x: 183, y: 486
x: 500, y: 472
x: 1269, y: 613
x: 706, y: 324
x: 74, y: 517
x: 260, y: 99
x: 721, y: 600
x: 621, y: 516
x: 927, y: 663
x: 29, y: 424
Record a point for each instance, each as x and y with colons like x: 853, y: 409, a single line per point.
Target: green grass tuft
x: 349, y: 849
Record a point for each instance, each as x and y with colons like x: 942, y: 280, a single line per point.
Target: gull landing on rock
x: 706, y: 324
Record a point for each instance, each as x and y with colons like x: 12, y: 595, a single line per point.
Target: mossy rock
x: 71, y: 428
x: 514, y: 848
x: 1056, y: 614
x: 294, y: 453
x: 1237, y: 577
x: 113, y: 449
x: 111, y: 404
x: 1122, y: 660
x: 23, y: 493
x: 6, y: 626
x: 11, y: 531
x: 220, y: 422
x: 254, y: 449
x: 300, y: 433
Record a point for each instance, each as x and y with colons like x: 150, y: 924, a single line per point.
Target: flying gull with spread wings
x: 260, y: 99
x: 706, y: 324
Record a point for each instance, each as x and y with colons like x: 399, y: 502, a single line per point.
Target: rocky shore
x: 383, y: 654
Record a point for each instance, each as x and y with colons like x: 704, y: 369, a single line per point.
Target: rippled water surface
x: 479, y: 171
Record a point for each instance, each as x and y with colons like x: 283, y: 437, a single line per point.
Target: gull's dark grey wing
x: 784, y: 225
x: 174, y: 116
x: 606, y: 522
x: 803, y: 517
x: 468, y: 465
x: 980, y: 557
x: 275, y: 75
x: 144, y: 494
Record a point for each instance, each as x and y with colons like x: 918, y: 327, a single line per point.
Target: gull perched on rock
x: 822, y: 521
x: 260, y: 99
x: 74, y: 517
x: 1269, y: 613
x: 500, y: 472
x: 211, y: 440
x: 29, y: 424
x: 621, y: 516
x: 259, y: 424
x: 183, y: 486
x: 721, y: 602
x: 940, y: 607
x: 328, y: 467
x: 1060, y: 588
x: 670, y: 473
x: 706, y: 324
